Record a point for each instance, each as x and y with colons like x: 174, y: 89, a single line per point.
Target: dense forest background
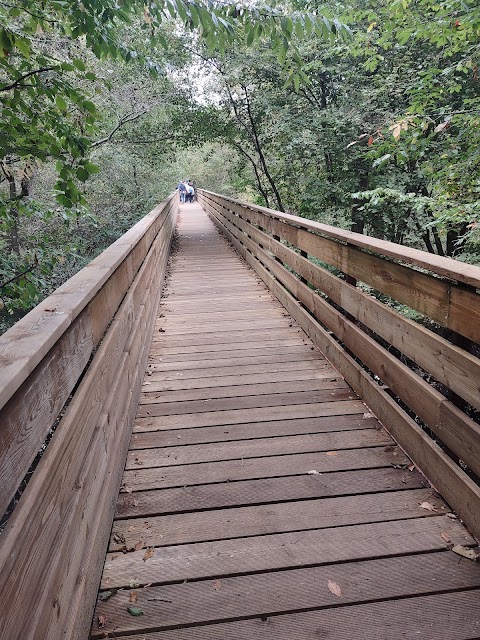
x: 363, y: 114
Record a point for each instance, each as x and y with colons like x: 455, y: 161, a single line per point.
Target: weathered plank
x: 169, y: 607
x: 451, y: 616
x: 297, y: 464
x: 249, y: 430
x: 257, y: 448
x: 266, y: 491
x: 282, y: 551
x: 274, y: 518
x: 213, y: 418
x: 329, y: 391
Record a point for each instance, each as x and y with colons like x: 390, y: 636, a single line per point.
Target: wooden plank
x: 257, y: 448
x: 273, y: 349
x: 236, y: 391
x: 274, y: 518
x: 208, y: 349
x: 256, y: 468
x: 29, y: 414
x: 214, y: 418
x: 321, y: 372
x: 453, y: 269
x: 329, y: 391
x: 458, y: 432
x: 303, y: 354
x: 173, y: 606
x: 250, y: 430
x: 271, y: 369
x: 141, y: 504
x: 283, y: 551
x: 219, y: 327
x: 423, y: 616
x: 224, y: 338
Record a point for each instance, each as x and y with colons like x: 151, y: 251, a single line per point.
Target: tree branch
x: 18, y: 82
x: 130, y: 117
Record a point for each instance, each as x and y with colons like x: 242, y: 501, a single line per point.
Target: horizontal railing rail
x: 421, y: 379
x: 74, y: 366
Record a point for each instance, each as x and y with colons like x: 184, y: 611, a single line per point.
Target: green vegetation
x: 363, y: 114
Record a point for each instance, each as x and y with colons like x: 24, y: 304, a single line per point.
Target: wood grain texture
x: 243, y: 597
x: 451, y: 616
x: 266, y: 491
x: 283, y: 551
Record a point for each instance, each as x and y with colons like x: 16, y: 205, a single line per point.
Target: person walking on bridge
x: 182, y: 190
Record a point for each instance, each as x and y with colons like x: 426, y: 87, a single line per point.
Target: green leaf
x: 79, y: 64
x: 91, y: 168
x: 82, y: 174
x: 61, y: 103
x: 135, y: 611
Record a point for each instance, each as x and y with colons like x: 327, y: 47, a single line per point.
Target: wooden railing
x: 423, y: 386
x: 86, y: 345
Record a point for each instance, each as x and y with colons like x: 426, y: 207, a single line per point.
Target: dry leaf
x: 334, y: 588
x: 139, y: 545
x: 217, y: 585
x: 460, y: 550
x: 452, y: 516
x: 445, y: 536
x: 332, y: 453
x: 313, y: 472
x: 102, y: 621
x: 367, y: 415
x: 370, y: 141
x: 411, y: 467
x: 134, y: 583
x: 428, y: 507
x: 119, y: 538
x: 148, y: 553
x: 133, y: 596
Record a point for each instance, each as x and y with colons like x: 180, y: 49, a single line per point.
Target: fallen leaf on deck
x: 445, y: 537
x: 217, y: 585
x: 334, y: 588
x: 452, y: 516
x: 133, y: 596
x: 367, y: 415
x: 460, y: 550
x: 313, y: 472
x: 411, y: 467
x: 105, y: 595
x: 134, y: 583
x: 428, y: 506
x: 332, y: 453
x: 135, y: 611
x: 148, y: 553
x: 102, y: 621
x: 139, y: 545
x: 119, y: 538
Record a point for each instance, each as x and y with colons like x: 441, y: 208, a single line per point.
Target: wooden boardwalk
x: 260, y: 499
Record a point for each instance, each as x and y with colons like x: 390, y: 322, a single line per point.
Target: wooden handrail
x: 86, y: 345
x: 345, y: 321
